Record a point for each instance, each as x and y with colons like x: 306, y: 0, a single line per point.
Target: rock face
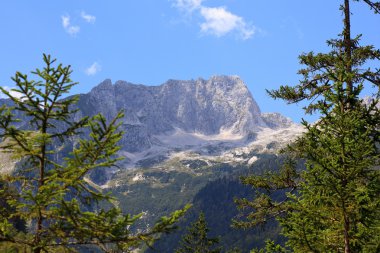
x: 213, y: 114
x: 215, y: 119
x: 275, y: 120
x: 207, y: 107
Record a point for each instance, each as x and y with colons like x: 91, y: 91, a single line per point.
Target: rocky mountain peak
x: 275, y: 120
x: 220, y: 106
x: 200, y: 116
x: 209, y: 107
x: 105, y: 85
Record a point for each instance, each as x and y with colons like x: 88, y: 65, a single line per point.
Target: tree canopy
x: 49, y: 191
x: 196, y: 240
x: 333, y: 205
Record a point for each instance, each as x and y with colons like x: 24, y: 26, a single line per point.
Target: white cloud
x: 93, y: 69
x: 87, y: 17
x: 70, y: 29
x: 65, y: 21
x: 188, y: 5
x: 218, y: 21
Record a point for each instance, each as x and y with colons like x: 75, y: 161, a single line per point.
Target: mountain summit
x: 202, y: 116
x: 222, y: 103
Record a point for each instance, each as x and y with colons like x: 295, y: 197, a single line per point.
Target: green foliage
x: 52, y: 195
x: 196, y: 240
x: 269, y: 200
x: 334, y: 204
x: 215, y: 199
x: 270, y: 247
x: 234, y: 250
x: 339, y: 193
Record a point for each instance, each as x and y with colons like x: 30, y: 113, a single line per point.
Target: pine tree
x: 52, y: 196
x: 270, y: 247
x: 196, y: 239
x: 334, y: 204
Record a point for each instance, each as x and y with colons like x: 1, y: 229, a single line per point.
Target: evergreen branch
x: 373, y: 5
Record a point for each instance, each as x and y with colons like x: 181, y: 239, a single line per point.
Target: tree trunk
x: 349, y: 88
x: 41, y: 181
x: 348, y: 48
x: 37, y: 250
x: 347, y: 248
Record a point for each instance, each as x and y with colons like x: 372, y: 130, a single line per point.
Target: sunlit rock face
x: 275, y: 120
x: 206, y: 117
x: 207, y: 107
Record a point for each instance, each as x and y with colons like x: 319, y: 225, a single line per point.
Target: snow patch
x: 252, y: 160
x: 223, y: 147
x: 181, y: 138
x: 283, y: 135
x: 138, y: 177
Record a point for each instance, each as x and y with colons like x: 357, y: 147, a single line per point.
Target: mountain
x: 184, y: 142
x: 204, y: 121
x: 180, y: 115
x: 184, y: 138
x: 222, y: 103
x: 217, y: 106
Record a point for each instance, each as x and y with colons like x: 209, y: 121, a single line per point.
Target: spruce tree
x: 334, y: 204
x: 270, y: 247
x: 196, y: 239
x: 51, y: 195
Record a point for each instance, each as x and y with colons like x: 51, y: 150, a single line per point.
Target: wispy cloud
x: 70, y: 29
x: 87, y: 17
x: 93, y: 69
x: 188, y: 5
x: 217, y: 21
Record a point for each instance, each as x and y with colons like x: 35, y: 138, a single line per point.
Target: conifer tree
x: 270, y: 247
x: 334, y: 204
x: 52, y: 196
x: 196, y: 239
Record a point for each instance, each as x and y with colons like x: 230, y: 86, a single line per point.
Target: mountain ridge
x: 180, y: 137
x: 207, y: 117
x: 188, y: 104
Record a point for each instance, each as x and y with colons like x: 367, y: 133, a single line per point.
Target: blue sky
x: 151, y: 41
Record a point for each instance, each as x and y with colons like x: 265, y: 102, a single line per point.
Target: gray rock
x: 222, y: 103
x: 208, y: 107
x: 275, y: 120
